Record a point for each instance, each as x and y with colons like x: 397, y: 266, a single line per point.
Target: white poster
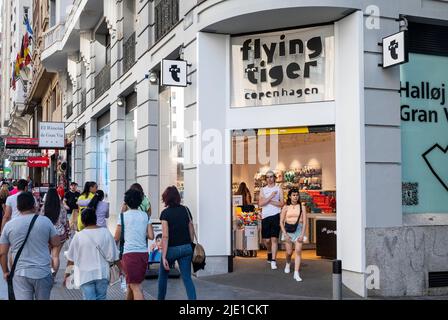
x: 284, y: 67
x: 51, y: 135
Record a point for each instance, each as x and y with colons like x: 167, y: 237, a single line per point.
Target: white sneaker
x: 273, y: 265
x: 296, y: 276
x: 288, y: 268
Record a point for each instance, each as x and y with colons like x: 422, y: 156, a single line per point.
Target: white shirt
x: 270, y: 210
x: 12, y: 202
x: 89, y: 265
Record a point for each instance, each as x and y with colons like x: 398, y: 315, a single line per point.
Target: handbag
x: 121, y: 236
x: 11, y: 295
x: 198, y: 251
x: 291, y: 228
x: 114, y: 270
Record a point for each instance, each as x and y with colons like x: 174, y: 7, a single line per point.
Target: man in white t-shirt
x: 271, y: 202
x: 11, y: 211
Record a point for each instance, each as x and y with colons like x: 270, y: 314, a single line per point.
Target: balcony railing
x: 102, y: 81
x: 53, y: 35
x: 83, y: 100
x: 69, y: 111
x: 129, y: 53
x: 166, y: 14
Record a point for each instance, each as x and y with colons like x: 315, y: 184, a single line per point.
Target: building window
x: 171, y: 139
x: 103, y: 155
x: 166, y: 14
x: 131, y: 139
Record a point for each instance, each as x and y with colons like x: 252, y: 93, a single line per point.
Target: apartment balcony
x: 102, y: 81
x: 129, y: 53
x: 54, y: 35
x: 166, y: 15
x: 63, y: 39
x: 83, y: 100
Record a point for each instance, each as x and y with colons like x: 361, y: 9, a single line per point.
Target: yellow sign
x: 267, y: 132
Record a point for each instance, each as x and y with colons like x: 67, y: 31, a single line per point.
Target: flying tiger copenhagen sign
x: 291, y: 66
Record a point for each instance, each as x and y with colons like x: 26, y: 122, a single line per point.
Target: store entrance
x: 302, y: 158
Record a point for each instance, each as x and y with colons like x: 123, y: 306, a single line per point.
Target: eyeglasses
x: 269, y: 176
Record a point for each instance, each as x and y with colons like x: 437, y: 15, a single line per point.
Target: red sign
x: 21, y: 143
x: 38, y: 162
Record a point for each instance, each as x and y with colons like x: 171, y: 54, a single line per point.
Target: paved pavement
x: 252, y: 279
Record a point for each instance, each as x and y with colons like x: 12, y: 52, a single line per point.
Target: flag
x: 26, y: 22
x: 13, y: 80
x: 18, y: 65
x: 25, y: 50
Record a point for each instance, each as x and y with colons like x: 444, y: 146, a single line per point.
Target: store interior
x: 303, y: 158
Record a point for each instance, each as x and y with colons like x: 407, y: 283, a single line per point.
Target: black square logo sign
x: 395, y: 49
x: 174, y: 73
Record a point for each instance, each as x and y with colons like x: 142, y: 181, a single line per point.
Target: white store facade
x: 137, y: 130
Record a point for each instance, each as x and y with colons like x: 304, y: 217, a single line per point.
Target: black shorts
x: 270, y: 227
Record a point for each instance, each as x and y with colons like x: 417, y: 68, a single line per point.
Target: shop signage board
x: 16, y: 157
x: 424, y: 138
x: 395, y: 49
x: 174, y: 73
x: 284, y: 67
x: 38, y: 162
x: 21, y: 143
x: 51, y: 135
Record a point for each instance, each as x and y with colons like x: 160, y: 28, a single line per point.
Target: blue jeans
x: 182, y: 254
x: 95, y: 290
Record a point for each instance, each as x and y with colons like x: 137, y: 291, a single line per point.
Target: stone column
x: 117, y: 158
x: 90, y: 151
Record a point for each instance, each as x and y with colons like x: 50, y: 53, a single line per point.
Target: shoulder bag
x: 114, y: 270
x: 291, y: 228
x: 198, y: 251
x: 11, y: 295
x: 121, y: 236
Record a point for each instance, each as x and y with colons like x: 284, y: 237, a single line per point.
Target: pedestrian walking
x: 14, y: 189
x: 137, y: 229
x: 271, y: 202
x: 91, y: 252
x: 100, y: 206
x: 177, y: 238
x: 11, y: 211
x: 146, y: 205
x: 54, y: 210
x: 293, y: 224
x: 30, y: 183
x: 88, y: 193
x: 70, y: 204
x: 31, y: 277
x: 4, y: 194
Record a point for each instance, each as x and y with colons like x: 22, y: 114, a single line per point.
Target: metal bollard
x: 337, y: 280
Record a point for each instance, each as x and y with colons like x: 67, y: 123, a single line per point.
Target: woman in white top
x: 293, y: 225
x: 91, y: 251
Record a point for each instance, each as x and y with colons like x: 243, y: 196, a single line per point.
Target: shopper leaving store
x: 137, y: 229
x: 177, y: 237
x: 271, y: 202
x: 91, y: 251
x: 32, y: 276
x: 54, y: 210
x: 11, y: 211
x: 88, y: 193
x: 293, y: 225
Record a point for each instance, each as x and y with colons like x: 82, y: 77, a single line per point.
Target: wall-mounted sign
x: 395, y: 49
x: 51, y: 135
x: 174, y: 73
x: 291, y: 66
x: 38, y: 162
x: 21, y: 143
x: 424, y: 138
x: 16, y: 157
